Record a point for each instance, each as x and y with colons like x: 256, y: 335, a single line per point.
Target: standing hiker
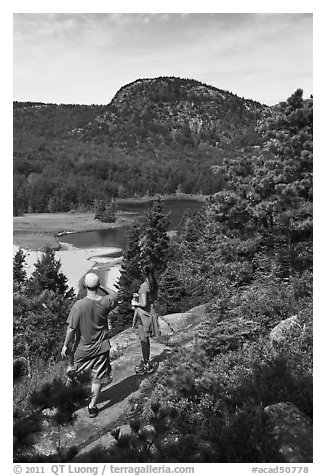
x: 88, y: 326
x: 145, y: 318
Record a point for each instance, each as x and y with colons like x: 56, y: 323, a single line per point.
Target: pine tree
x: 51, y: 205
x: 154, y: 241
x: 171, y: 291
x: 109, y: 215
x: 266, y: 204
x: 40, y: 310
x: 18, y: 204
x: 148, y: 243
x: 47, y: 275
x: 19, y: 195
x: 105, y: 211
x: 19, y: 273
x: 29, y: 425
x: 282, y: 183
x: 129, y: 281
x: 191, y: 228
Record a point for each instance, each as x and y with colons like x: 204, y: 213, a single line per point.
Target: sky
x: 85, y: 58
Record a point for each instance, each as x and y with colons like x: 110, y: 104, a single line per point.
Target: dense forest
x: 248, y: 255
x: 156, y: 136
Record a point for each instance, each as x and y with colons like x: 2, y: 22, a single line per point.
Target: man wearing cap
x: 88, y: 324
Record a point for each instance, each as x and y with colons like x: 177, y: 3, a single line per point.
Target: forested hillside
x: 258, y: 227
x: 157, y: 135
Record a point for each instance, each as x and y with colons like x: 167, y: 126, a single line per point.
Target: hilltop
x: 169, y: 111
x: 166, y: 133
x: 160, y: 110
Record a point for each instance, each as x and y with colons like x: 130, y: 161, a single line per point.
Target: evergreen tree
x: 129, y: 281
x: 266, y: 205
x: 171, y: 291
x: 154, y: 241
x: 29, y: 425
x: 105, y: 211
x: 47, y: 275
x: 191, y: 228
x: 110, y: 212
x: 41, y: 308
x: 52, y: 205
x: 148, y: 243
x: 18, y: 205
x: 39, y: 323
x: 99, y: 207
x: 19, y: 199
x: 19, y: 273
x: 282, y: 185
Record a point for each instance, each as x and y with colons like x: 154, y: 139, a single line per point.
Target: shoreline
x: 35, y: 231
x: 176, y: 196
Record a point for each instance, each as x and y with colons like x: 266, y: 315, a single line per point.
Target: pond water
x: 118, y: 237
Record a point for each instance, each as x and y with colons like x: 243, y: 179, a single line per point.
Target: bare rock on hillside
x: 286, y: 330
x: 176, y: 325
x: 117, y: 397
x: 181, y: 321
x: 292, y: 431
x: 122, y: 341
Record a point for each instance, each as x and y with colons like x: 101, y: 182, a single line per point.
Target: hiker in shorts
x: 87, y: 337
x: 145, y: 319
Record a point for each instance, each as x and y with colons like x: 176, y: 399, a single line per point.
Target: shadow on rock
x: 120, y: 391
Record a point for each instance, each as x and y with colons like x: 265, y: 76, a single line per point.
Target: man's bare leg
x: 96, y: 389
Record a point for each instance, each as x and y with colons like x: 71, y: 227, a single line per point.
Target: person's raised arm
x: 110, y: 292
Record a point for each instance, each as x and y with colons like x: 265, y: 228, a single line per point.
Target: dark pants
x: 145, y: 347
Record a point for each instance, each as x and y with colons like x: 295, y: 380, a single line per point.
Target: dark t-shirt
x: 89, y: 318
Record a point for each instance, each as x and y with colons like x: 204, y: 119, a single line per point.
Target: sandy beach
x: 76, y: 262
x: 34, y: 231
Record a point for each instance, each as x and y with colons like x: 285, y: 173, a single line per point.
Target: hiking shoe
x: 141, y: 368
x: 149, y: 368
x: 93, y: 412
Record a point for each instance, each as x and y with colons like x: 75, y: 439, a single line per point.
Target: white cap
x: 91, y: 280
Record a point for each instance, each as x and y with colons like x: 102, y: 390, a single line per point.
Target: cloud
x: 110, y: 49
